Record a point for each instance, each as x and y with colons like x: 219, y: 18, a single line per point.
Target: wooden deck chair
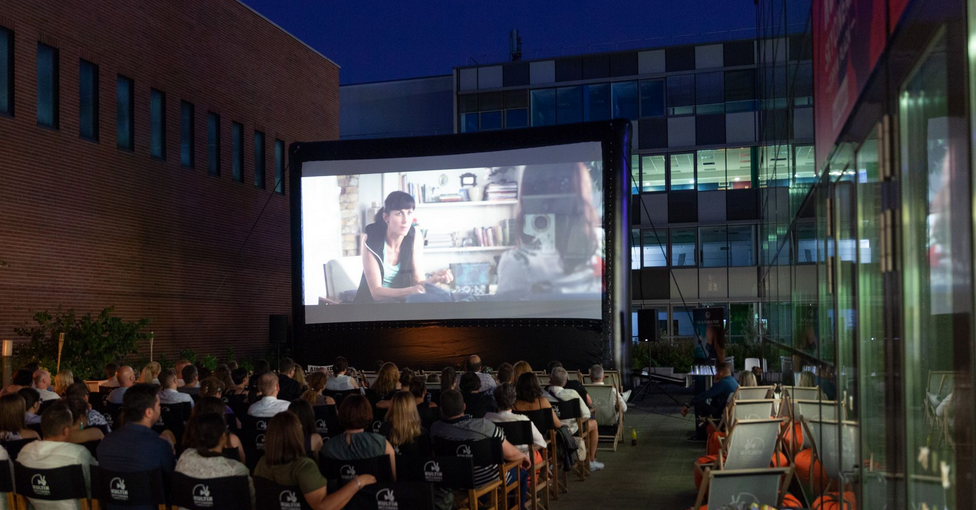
x: 740, y: 488
x: 928, y: 490
x: 519, y: 433
x: 606, y: 411
x: 753, y: 393
x: 613, y: 377
x: 542, y: 419
x: 745, y: 410
x: 570, y: 410
x: 750, y: 444
x: 574, y: 375
x: 803, y: 393
x: 835, y: 446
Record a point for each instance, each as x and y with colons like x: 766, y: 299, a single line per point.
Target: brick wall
x: 86, y: 225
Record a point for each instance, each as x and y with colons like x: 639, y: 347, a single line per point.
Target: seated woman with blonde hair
x: 150, y: 373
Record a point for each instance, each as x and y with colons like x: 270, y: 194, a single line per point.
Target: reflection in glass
x: 683, y: 244
x: 806, y: 170
x: 469, y: 122
x: 652, y: 98
x: 683, y: 171
x: 596, y: 102
x: 543, y: 105
x: 681, y: 94
x: 714, y: 246
x: 742, y: 245
x: 624, y: 95
x: 655, y: 243
x: 635, y: 179
x: 710, y: 93
x: 47, y: 86
x: 491, y: 121
x: 569, y: 105
x: 653, y: 173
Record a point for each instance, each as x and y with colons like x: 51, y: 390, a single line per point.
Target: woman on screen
x: 393, y: 254
x: 559, y: 236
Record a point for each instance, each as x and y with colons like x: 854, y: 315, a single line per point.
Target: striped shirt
x: 467, y: 428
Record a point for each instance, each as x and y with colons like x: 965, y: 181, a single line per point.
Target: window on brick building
x: 259, y: 159
x: 6, y: 71
x: 213, y: 143
x: 124, y: 113
x: 47, y: 86
x: 157, y: 124
x: 279, y: 167
x: 88, y: 100
x: 187, y: 143
x: 237, y: 151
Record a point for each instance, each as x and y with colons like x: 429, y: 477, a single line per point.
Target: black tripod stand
x: 652, y: 379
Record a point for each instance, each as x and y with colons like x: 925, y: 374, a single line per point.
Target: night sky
x: 378, y: 40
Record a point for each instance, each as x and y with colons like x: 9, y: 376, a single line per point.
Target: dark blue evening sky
x: 377, y: 40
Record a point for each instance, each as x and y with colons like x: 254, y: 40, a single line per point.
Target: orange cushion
x: 780, y: 460
x: 832, y: 501
x: 809, y: 471
x: 794, y: 437
x: 790, y: 501
x: 714, y: 446
x: 705, y: 459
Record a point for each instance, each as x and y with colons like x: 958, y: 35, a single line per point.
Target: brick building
x: 140, y: 143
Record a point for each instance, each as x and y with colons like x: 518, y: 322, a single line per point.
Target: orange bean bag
x: 714, y: 446
x: 832, y: 501
x: 705, y: 459
x: 780, y: 460
x: 809, y: 471
x: 794, y: 437
x: 790, y: 501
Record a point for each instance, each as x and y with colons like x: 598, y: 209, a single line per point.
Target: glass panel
x: 806, y: 170
x: 635, y: 174
x: 625, y: 100
x: 157, y: 121
x: 714, y: 246
x: 775, y: 169
x: 543, y: 104
x: 653, y: 173
x: 517, y: 118
x: 279, y: 166
x: 710, y: 92
x: 596, y: 102
x: 491, y: 121
x: 838, y: 382
x: 711, y: 170
x: 683, y: 246
x: 186, y: 134
x: 259, y: 159
x: 652, y: 98
x: 469, y: 122
x: 655, y: 245
x: 807, y: 247
x: 683, y: 325
x: 739, y: 167
x: 682, y: 171
x: 635, y: 249
x: 47, y: 86
x: 569, y: 105
x: 124, y: 123
x: 88, y: 100
x: 6, y: 71
x: 681, y: 94
x: 740, y: 91
x: 742, y: 245
x: 213, y: 143
x: 237, y: 151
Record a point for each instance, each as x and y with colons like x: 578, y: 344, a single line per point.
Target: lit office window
x: 740, y: 167
x: 635, y: 178
x: 742, y: 245
x: 569, y: 105
x: 259, y: 159
x: 124, y: 113
x: 806, y: 169
x: 775, y: 166
x: 711, y: 170
x: 187, y: 142
x: 517, y: 118
x: 682, y: 171
x: 469, y: 122
x: 47, y: 86
x: 714, y: 246
x: 157, y: 124
x: 653, y: 173
x: 655, y: 243
x: 624, y: 100
x: 491, y: 121
x: 237, y: 151
x: 596, y: 102
x: 683, y: 247
x: 543, y: 105
x: 279, y: 167
x: 635, y: 249
x: 681, y: 94
x: 213, y: 144
x: 88, y: 100
x: 6, y: 71
x: 710, y: 93
x: 652, y: 98
x: 740, y: 91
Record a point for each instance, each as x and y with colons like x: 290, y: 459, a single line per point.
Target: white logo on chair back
x: 377, y: 425
x: 385, y: 500
x: 201, y: 495
x: 289, y: 501
x: 321, y: 427
x: 39, y: 484
x: 347, y: 472
x: 752, y: 448
x: 117, y: 489
x: 463, y: 451
x: 261, y: 425
x: 432, y: 472
x: 743, y: 500
x: 259, y: 442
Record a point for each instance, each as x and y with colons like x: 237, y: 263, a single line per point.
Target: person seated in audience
x: 32, y: 401
x: 405, y: 375
x: 269, y: 404
x: 126, y: 379
x: 521, y: 367
x: 202, y: 372
x: 505, y: 398
x: 418, y: 388
x: 232, y: 365
x: 80, y: 390
x: 110, y: 380
x: 434, y: 378
x: 313, y: 395
x: 168, y: 393
x: 474, y: 366
x: 80, y: 431
x: 529, y: 396
x: 340, y: 380
x: 240, y: 380
x: 42, y: 383
x: 64, y: 379
x: 574, y: 385
x: 212, y: 387
x: 56, y: 451
x: 285, y: 462
x: 476, y: 403
x: 21, y: 379
x: 403, y: 428
x: 299, y: 377
x: 387, y: 383
x: 205, y: 458
x: 306, y: 416
x: 180, y: 365
x: 558, y: 389
x: 807, y: 379
x: 711, y: 402
x: 448, y: 379
x: 214, y: 406
x: 261, y: 367
x: 597, y: 377
x: 13, y: 412
x: 150, y: 373
x: 222, y: 374
x: 289, y: 389
x: 746, y: 378
x: 191, y: 381
x: 505, y: 374
x: 355, y: 414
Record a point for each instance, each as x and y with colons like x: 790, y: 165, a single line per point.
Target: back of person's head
x: 55, y: 419
x: 78, y: 408
x: 210, y: 405
x: 190, y: 374
x: 527, y: 388
x: 167, y: 378
x: 747, y: 378
x: 284, y: 440
x: 596, y: 373
x: 448, y: 378
x: 807, y: 379
x: 125, y: 376
x: 387, y: 379
x: 558, y: 377
x: 208, y: 431
x: 23, y: 377
x: 30, y: 396
x: 552, y: 366
x: 451, y: 403
x: 261, y: 366
x: 110, y: 369
x: 212, y: 387
x: 355, y: 412
x: 505, y: 396
x: 521, y: 367
x: 340, y: 365
x: 77, y: 390
x: 267, y: 383
x: 203, y: 372
x: 418, y: 387
x: 506, y: 373
x: 39, y: 378
x: 723, y: 368
x: 403, y: 418
x: 286, y: 365
x: 222, y: 373
x: 306, y: 415
x: 137, y: 400
x: 13, y: 413
x: 64, y: 379
x: 405, y: 375
x: 469, y: 383
x: 379, y: 364
x: 434, y: 378
x: 150, y: 372
x: 474, y: 363
x: 238, y: 375
x: 232, y: 365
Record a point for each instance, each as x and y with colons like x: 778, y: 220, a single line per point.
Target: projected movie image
x: 507, y: 241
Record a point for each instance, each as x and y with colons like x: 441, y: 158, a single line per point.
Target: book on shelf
x: 501, y: 191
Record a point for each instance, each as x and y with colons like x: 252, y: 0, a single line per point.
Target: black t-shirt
x: 479, y: 404
x: 578, y: 387
x: 288, y: 388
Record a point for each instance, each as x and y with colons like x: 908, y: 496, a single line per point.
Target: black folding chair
x: 339, y: 395
x: 92, y: 447
x: 231, y: 453
x: 327, y: 421
x: 519, y: 433
x: 237, y: 403
x: 137, y: 488
x: 173, y: 417
x: 7, y: 484
x: 13, y: 447
x: 54, y: 484
x: 570, y: 410
x: 345, y: 470
x: 45, y: 404
x: 36, y: 427
x: 271, y: 496
x: 484, y: 453
x: 210, y: 493
x: 399, y: 495
x: 448, y: 472
x: 542, y: 419
x: 252, y: 434
x: 113, y: 414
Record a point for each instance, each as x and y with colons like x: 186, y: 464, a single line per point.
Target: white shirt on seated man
x: 558, y: 390
x: 597, y: 377
x: 42, y: 381
x: 168, y: 393
x: 269, y: 405
x: 55, y: 451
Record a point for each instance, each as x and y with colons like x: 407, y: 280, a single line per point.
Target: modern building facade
x: 389, y: 109
x: 143, y: 152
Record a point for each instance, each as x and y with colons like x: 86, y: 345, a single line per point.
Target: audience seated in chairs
x: 80, y: 431
x: 448, y: 379
x: 317, y: 382
x: 505, y: 374
x: 269, y: 404
x: 168, y: 393
x: 288, y: 388
x: 203, y: 455
x: 476, y: 404
x: 111, y: 381
x: 42, y: 383
x: 22, y: 379
x: 64, y: 379
x: 487, y: 381
x: 711, y: 403
x: 572, y: 384
x: 32, y: 401
x: 56, y: 451
x: 285, y: 463
x: 340, y: 379
x: 520, y: 368
x: 355, y: 414
x: 13, y: 412
x: 306, y: 416
x: 557, y: 389
x: 241, y: 379
x: 505, y: 399
x: 126, y: 378
x: 597, y: 377
x: 95, y: 419
x: 211, y: 405
x: 191, y: 381
x: 150, y: 373
x: 387, y: 383
x: 403, y: 428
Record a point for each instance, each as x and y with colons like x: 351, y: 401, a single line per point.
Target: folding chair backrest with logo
x: 339, y: 395
x: 138, y: 488
x: 815, y: 409
x: 327, y: 421
x: 173, y: 417
x: 752, y: 410
x: 449, y: 471
x: 253, y: 430
x: 7, y: 483
x: 271, y: 496
x: 484, y: 453
x: 573, y: 375
x: 345, y: 470
x: 836, y: 445
x: 753, y: 393
x: 802, y: 392
x: 14, y: 447
x: 751, y: 444
x: 519, y: 433
x: 394, y: 496
x: 53, y: 484
x: 741, y: 488
x: 210, y: 493
x: 607, y: 413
